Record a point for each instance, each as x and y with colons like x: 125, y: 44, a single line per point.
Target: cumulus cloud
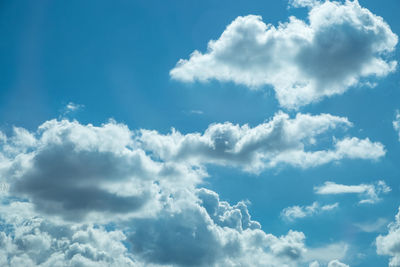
x: 282, y: 140
x: 76, y: 170
x: 390, y: 244
x: 210, y: 232
x: 34, y: 241
x: 297, y: 212
x: 342, y: 45
x: 84, y: 195
x: 370, y: 193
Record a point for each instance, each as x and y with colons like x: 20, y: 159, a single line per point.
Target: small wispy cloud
x: 297, y: 212
x: 396, y: 123
x: 70, y: 108
x: 376, y: 226
x: 196, y: 111
x: 368, y: 192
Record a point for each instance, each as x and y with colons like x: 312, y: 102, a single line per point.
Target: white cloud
x: 370, y: 193
x: 75, y: 181
x: 325, y: 254
x: 71, y: 107
x: 282, y: 140
x: 396, y: 123
x: 342, y: 45
x: 390, y: 244
x: 296, y: 212
x: 78, y: 171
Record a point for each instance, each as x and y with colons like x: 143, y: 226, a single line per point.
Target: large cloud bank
x: 84, y: 195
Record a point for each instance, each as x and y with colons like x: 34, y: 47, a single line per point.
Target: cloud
x: 372, y: 226
x: 368, y: 192
x: 342, y: 45
x: 303, y: 3
x: 195, y: 228
x: 336, y: 263
x: 84, y: 195
x: 35, y: 241
x: 396, y: 123
x: 71, y: 107
x: 210, y: 232
x: 281, y: 140
x: 296, y: 212
x: 390, y: 244
x: 325, y: 254
x: 76, y: 170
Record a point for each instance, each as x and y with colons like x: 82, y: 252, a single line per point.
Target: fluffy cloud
x: 368, y: 192
x: 296, y: 212
x: 390, y: 244
x: 210, y: 232
x: 127, y: 207
x: 282, y: 140
x: 340, y: 46
x: 76, y: 171
x: 195, y: 228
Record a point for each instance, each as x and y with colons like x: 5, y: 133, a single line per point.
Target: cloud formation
x: 342, y: 45
x: 281, y: 140
x: 390, y: 244
x: 370, y: 193
x: 84, y: 195
x: 297, y: 212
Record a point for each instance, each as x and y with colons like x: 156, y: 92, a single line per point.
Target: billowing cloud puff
x: 209, y: 232
x: 33, y: 241
x: 125, y: 206
x: 282, y: 140
x: 390, y: 244
x: 368, y: 192
x: 296, y: 212
x: 76, y: 170
x: 340, y: 46
x: 194, y: 228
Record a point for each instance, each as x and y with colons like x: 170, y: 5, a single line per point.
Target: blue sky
x: 120, y: 139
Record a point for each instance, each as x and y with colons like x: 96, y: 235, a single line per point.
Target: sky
x: 199, y: 133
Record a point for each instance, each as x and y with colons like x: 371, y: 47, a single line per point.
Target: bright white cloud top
x: 340, y: 46
x: 390, y: 244
x: 281, y: 140
x: 370, y: 193
x: 78, y: 175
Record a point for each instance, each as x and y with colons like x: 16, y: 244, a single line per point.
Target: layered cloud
x: 281, y: 140
x: 195, y: 228
x: 342, y: 45
x: 297, y: 212
x: 369, y: 193
x: 84, y: 195
x: 390, y: 244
